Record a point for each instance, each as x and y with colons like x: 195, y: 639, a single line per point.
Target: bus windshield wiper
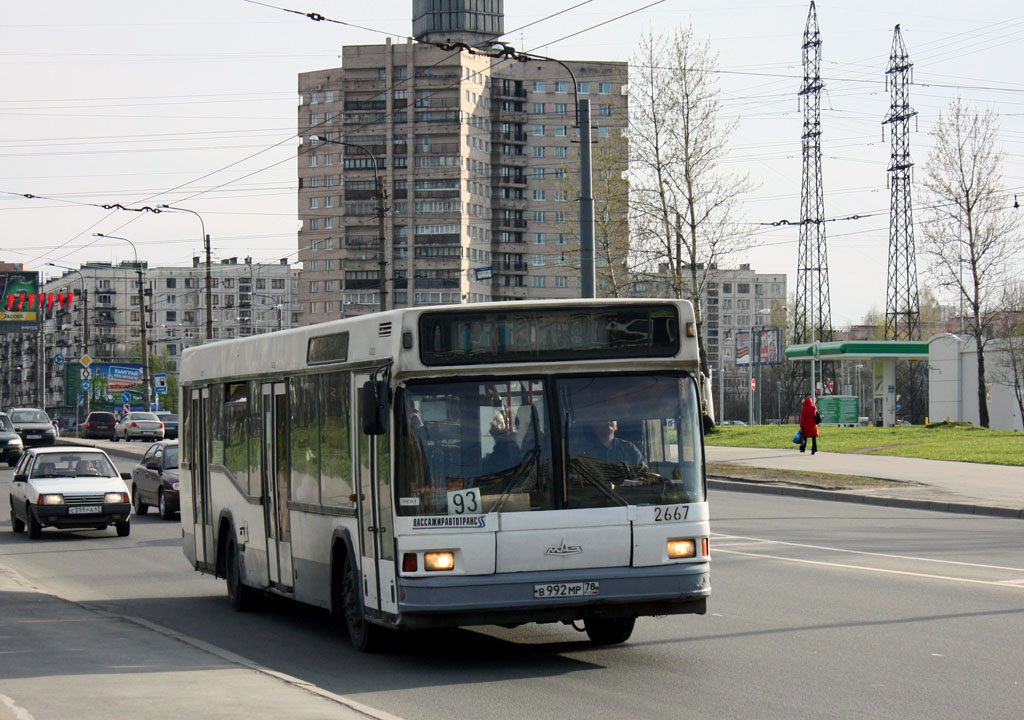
x: 579, y: 467
x: 519, y: 472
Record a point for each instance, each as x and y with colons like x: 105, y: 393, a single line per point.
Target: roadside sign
x: 58, y: 360
x: 85, y: 361
x: 126, y: 397
x: 85, y: 373
x: 81, y: 400
x: 160, y: 383
x: 86, y: 385
x: 127, y: 408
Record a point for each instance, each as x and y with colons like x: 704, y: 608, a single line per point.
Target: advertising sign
x: 839, y: 409
x: 110, y: 383
x: 19, y: 306
x: 768, y: 343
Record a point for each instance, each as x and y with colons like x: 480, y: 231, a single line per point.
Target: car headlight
x: 51, y: 499
x: 115, y: 497
x: 174, y: 485
x: 16, y: 440
x: 50, y: 431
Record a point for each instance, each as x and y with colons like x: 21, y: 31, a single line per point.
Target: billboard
x: 19, y: 306
x: 104, y: 383
x: 768, y: 343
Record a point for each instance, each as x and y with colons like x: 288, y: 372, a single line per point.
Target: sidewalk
x: 64, y: 660
x: 970, y: 488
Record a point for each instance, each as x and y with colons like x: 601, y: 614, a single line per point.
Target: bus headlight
x: 54, y: 499
x: 438, y: 561
x: 682, y: 548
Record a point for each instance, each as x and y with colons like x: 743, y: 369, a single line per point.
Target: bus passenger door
x: 274, y: 413
x: 376, y: 528
x: 202, y: 527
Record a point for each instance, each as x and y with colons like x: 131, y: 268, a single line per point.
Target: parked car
x: 69, y: 487
x: 139, y: 426
x: 155, y: 480
x: 170, y: 421
x: 33, y: 425
x: 99, y: 426
x: 11, y: 445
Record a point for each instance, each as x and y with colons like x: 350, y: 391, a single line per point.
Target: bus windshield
x: 544, y: 443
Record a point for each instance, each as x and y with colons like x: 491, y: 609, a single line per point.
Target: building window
x: 172, y: 283
x: 605, y: 88
x: 538, y: 281
x: 560, y: 109
x: 538, y: 173
x: 540, y: 238
x: 539, y: 86
x: 538, y: 129
x: 561, y: 87
x: 538, y: 151
x: 539, y: 260
x: 584, y: 88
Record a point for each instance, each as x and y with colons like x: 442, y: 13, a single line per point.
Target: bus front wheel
x: 610, y: 631
x: 365, y: 636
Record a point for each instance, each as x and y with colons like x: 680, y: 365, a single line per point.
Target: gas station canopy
x: 860, y: 350
x: 883, y: 354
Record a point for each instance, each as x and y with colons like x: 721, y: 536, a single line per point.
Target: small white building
x: 953, y: 383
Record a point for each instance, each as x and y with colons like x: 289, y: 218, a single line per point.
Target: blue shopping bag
x: 799, y: 437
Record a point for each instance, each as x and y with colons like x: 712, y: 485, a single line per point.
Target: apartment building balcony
x: 517, y: 137
x: 511, y: 180
x: 511, y: 267
x: 503, y: 222
x: 438, y: 149
x: 501, y: 203
x: 500, y: 158
x: 423, y: 283
x: 500, y: 291
x: 500, y: 90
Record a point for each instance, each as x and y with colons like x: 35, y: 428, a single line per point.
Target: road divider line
x: 866, y: 568
x: 715, y: 537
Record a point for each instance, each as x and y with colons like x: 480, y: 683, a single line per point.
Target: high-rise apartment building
x: 734, y: 302
x: 105, y: 319
x: 474, y: 154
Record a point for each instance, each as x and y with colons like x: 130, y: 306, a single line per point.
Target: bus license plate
x: 576, y: 589
x: 84, y: 509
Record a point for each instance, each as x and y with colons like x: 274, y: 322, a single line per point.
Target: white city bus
x: 500, y: 463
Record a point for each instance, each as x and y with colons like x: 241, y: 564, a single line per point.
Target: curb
x: 721, y: 483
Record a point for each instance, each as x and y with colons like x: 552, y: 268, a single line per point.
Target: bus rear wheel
x: 610, y: 631
x: 242, y: 597
x: 365, y: 636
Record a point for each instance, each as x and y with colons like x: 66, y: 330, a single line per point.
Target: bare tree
x: 682, y: 203
x: 611, y: 215
x: 968, y: 234
x: 1012, y: 343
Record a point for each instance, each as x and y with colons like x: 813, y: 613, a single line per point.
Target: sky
x: 193, y: 104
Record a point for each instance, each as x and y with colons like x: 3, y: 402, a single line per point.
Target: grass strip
x: 804, y: 478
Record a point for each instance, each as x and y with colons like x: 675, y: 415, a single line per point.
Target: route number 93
x: 670, y: 513
x: 464, y: 502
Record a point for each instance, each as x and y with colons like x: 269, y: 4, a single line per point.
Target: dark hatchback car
x: 11, y: 446
x: 170, y: 421
x: 155, y: 480
x: 34, y: 426
x: 99, y: 426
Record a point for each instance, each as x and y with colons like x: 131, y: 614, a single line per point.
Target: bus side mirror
x: 373, y: 407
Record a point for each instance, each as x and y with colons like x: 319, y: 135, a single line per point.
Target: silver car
x: 139, y: 426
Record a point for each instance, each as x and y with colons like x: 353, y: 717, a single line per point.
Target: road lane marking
x: 18, y: 712
x: 715, y: 537
x: 844, y: 566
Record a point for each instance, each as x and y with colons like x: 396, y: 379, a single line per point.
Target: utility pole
x: 902, y: 307
x: 209, y: 293
x: 813, y: 317
x: 382, y: 264
x: 587, y: 274
x: 146, y: 384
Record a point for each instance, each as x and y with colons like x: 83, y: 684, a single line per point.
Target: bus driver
x: 602, y: 444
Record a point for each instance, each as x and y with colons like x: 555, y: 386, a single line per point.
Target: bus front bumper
x: 509, y: 598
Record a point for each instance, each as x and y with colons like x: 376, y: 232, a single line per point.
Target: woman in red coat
x: 809, y: 425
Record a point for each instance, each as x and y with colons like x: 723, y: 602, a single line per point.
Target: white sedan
x: 69, y: 487
x: 139, y: 426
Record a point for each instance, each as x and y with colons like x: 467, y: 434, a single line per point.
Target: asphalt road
x: 819, y: 609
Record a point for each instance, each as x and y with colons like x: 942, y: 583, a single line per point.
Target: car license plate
x: 576, y: 589
x: 84, y: 509
x: 31, y: 436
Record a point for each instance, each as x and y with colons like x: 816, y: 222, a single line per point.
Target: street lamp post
x: 751, y: 349
x: 380, y: 197
x: 146, y: 380
x: 209, y: 272
x: 85, y: 324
